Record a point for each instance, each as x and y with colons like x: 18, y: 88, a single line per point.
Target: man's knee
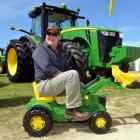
x: 73, y: 74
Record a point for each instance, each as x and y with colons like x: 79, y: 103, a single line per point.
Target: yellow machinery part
x: 49, y: 99
x: 38, y: 96
x: 37, y: 123
x: 12, y: 61
x: 123, y: 78
x: 111, y: 5
x: 100, y: 122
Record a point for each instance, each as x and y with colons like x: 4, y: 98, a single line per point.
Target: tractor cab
x: 47, y: 15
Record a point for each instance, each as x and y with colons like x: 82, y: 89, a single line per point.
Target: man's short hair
x: 54, y: 28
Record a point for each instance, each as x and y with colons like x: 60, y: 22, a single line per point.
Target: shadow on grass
x: 13, y: 102
x: 3, y: 84
x: 135, y: 119
x: 135, y: 85
x: 82, y: 127
x: 3, y: 75
x: 60, y: 128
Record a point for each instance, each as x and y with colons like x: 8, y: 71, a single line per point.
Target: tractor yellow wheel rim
x: 100, y: 122
x: 12, y: 61
x: 37, y: 123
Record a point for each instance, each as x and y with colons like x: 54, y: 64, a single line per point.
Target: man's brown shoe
x: 75, y: 114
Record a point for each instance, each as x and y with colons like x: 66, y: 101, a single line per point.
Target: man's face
x: 52, y: 38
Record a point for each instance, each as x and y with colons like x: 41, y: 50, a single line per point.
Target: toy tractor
x: 2, y: 61
x: 90, y: 48
x: 43, y: 111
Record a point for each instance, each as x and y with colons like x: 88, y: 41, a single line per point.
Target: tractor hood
x: 87, y: 28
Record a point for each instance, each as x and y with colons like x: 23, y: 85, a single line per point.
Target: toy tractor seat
x: 48, y: 99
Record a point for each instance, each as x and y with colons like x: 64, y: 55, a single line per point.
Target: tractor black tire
x: 108, y: 73
x: 93, y: 74
x: 37, y: 122
x: 19, y: 62
x: 75, y: 58
x: 2, y: 67
x: 124, y: 67
x: 100, y: 122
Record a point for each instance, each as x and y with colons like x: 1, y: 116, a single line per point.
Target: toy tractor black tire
x: 37, y: 122
x: 100, y: 122
x: 19, y: 62
x: 75, y: 58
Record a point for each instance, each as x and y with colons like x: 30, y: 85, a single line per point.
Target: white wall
x: 137, y: 65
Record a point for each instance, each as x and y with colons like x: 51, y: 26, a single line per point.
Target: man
x: 53, y: 75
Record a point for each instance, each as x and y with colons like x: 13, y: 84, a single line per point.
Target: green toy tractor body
x: 42, y: 113
x: 91, y: 49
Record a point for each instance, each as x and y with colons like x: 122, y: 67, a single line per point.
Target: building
x: 137, y: 64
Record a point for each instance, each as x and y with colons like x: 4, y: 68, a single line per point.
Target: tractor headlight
x: 107, y: 33
x: 121, y: 35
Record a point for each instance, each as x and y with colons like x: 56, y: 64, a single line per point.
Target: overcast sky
x: 125, y: 16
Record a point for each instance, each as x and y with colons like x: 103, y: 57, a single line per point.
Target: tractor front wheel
x: 75, y: 58
x: 37, y: 122
x: 2, y: 68
x: 100, y: 122
x: 124, y: 67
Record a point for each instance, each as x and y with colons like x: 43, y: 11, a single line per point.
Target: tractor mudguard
x: 34, y: 102
x: 34, y: 40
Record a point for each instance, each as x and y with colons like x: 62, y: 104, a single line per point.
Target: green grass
x: 14, y: 97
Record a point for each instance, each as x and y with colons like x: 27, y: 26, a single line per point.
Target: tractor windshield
x: 36, y: 25
x: 61, y: 20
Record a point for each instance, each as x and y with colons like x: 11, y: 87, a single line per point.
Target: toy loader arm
x: 99, y: 82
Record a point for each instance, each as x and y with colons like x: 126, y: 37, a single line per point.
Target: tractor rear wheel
x: 19, y: 62
x: 124, y: 67
x: 75, y: 58
x: 2, y: 67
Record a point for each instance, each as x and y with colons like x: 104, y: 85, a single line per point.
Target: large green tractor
x: 2, y: 61
x: 89, y: 50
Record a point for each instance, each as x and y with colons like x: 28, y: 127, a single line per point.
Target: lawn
x: 14, y: 97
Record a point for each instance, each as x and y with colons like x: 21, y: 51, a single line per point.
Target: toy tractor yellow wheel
x: 37, y: 122
x: 100, y: 122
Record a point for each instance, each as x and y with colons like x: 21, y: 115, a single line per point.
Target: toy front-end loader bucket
x: 123, y: 78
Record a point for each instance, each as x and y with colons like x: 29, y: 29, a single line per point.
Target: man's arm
x: 41, y: 58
